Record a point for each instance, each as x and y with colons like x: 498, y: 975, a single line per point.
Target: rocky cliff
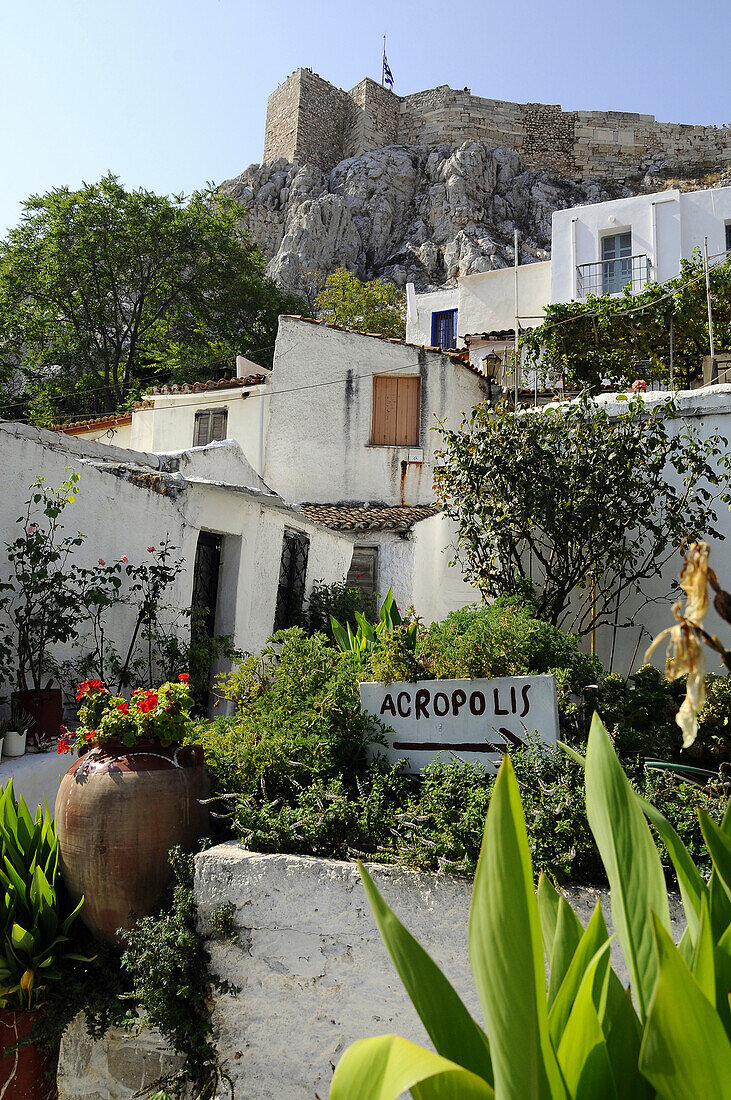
x: 405, y: 213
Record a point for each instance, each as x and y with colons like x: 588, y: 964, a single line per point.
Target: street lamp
x: 491, y: 363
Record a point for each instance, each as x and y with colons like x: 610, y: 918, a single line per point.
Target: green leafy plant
x: 339, y: 601
x: 368, y: 636
x: 166, y: 960
x: 370, y: 307
x: 601, y: 521
x: 160, y: 716
x: 35, y: 916
x: 39, y: 602
x: 580, y: 1036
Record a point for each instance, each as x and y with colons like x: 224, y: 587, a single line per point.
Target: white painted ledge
x: 35, y: 776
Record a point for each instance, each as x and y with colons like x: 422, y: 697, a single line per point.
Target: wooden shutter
x: 362, y: 572
x: 395, y: 420
x: 209, y: 426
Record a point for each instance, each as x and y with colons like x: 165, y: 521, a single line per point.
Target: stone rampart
x: 310, y: 120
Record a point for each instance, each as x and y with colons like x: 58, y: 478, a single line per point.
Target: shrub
x: 340, y: 601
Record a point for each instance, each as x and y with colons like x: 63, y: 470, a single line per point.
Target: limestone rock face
x: 405, y: 213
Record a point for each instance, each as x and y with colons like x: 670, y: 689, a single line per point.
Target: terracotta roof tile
x: 368, y: 517
x: 93, y: 424
x: 201, y: 387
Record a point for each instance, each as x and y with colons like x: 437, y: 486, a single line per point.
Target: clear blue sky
x: 172, y: 95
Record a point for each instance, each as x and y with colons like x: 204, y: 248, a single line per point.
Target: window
x: 616, y: 262
x: 363, y: 572
x: 210, y: 426
x: 292, y: 574
x: 444, y: 329
x: 396, y: 407
x: 728, y: 236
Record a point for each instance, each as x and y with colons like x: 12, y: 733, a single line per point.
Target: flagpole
x: 383, y: 64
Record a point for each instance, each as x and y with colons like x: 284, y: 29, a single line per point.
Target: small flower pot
x: 14, y: 743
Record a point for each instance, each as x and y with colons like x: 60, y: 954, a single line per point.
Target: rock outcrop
x: 405, y: 213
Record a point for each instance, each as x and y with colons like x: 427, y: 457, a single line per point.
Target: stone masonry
x: 311, y: 121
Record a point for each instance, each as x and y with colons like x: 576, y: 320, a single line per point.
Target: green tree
x: 612, y: 337
x: 575, y: 506
x: 369, y: 307
x: 103, y: 289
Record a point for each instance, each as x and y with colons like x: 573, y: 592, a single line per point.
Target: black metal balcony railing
x: 612, y: 276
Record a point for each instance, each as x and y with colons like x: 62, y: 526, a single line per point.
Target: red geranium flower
x: 89, y: 687
x: 184, y: 678
x: 90, y: 735
x: 63, y: 746
x: 123, y: 708
x: 148, y: 702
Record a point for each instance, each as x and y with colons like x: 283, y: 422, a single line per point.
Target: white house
x: 479, y: 314
x: 598, y: 249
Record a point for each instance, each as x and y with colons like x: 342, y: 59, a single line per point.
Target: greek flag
x: 387, y: 74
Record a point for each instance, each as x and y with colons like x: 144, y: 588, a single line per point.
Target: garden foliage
x: 292, y: 770
x: 582, y: 1036
x: 369, y: 307
x: 579, y: 508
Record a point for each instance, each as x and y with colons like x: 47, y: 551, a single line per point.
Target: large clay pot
x: 118, y: 813
x: 25, y: 1074
x: 44, y: 709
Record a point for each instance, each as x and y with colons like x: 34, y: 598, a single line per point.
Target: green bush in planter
x: 579, y: 1036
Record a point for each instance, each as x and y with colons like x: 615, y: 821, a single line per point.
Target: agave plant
x: 580, y: 1035
x: 364, y: 640
x: 35, y: 918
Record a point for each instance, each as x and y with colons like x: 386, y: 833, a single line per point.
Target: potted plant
x: 36, y: 919
x: 16, y: 736
x: 135, y: 792
x: 39, y: 604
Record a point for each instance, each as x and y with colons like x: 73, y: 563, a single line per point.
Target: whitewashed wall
x: 170, y: 424
x: 487, y: 300
x: 318, y: 437
x: 120, y: 516
x: 418, y: 329
x: 438, y: 588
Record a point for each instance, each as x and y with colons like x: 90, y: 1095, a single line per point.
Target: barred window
x: 292, y: 576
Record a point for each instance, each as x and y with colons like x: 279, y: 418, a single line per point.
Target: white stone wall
x: 418, y: 329
x: 438, y: 588
x: 312, y: 969
x: 319, y: 426
x: 487, y: 300
x: 170, y: 424
x: 125, y: 504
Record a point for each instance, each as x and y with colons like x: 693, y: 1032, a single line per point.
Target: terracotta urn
x: 118, y: 813
x: 25, y: 1074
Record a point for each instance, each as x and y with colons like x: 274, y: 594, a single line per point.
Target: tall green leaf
x: 630, y: 859
x: 450, y: 1026
x: 718, y: 843
x: 506, y: 953
x: 685, y: 1051
x: 548, y: 897
x: 385, y: 1067
x: 690, y: 881
x: 582, y: 1052
x: 566, y: 940
x: 593, y: 939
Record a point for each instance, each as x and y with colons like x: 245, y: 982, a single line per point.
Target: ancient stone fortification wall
x: 309, y: 119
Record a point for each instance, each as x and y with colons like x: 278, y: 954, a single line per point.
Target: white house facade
x: 598, y: 249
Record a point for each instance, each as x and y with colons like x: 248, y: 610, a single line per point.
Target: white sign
x: 474, y: 721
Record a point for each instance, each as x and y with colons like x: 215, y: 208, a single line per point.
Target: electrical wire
x: 405, y: 366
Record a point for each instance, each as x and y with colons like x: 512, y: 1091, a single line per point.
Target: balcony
x: 612, y: 276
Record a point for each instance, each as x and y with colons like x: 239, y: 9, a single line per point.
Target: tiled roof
x: 95, y: 424
x: 201, y: 387
x: 455, y: 356
x: 496, y: 334
x: 368, y: 517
